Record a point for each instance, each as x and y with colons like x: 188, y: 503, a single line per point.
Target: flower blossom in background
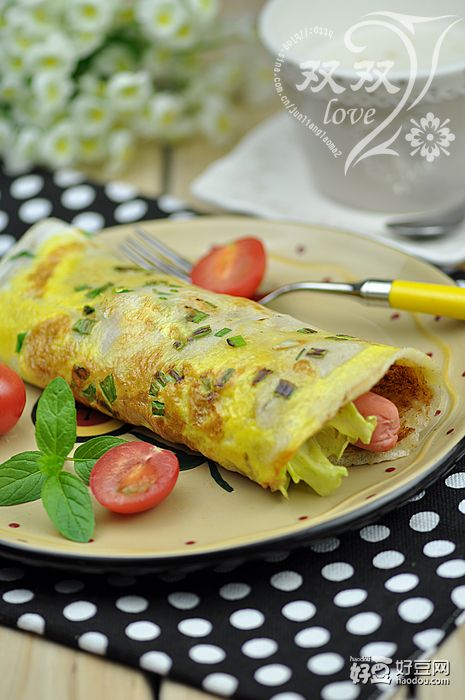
x: 82, y: 81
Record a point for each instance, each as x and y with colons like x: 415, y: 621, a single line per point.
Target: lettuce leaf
x: 311, y: 462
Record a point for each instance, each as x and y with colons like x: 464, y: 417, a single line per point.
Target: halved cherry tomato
x: 236, y: 268
x: 12, y: 398
x: 133, y: 477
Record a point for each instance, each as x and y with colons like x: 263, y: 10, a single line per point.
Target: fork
x: 150, y: 253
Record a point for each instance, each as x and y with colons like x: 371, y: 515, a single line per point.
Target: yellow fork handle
x: 436, y: 299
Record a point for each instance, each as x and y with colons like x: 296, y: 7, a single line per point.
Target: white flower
x: 58, y: 147
x: 217, y: 119
x: 53, y: 56
x: 91, y: 149
x: 84, y: 43
x: 93, y: 114
x: 92, y: 86
x: 121, y: 147
x: 115, y: 58
x: 166, y: 112
x: 430, y: 137
x: 11, y: 89
x: 51, y: 91
x: 161, y: 19
x: 23, y: 151
x: 90, y: 15
x: 128, y: 92
x: 5, y: 133
x: 13, y: 63
x: 204, y: 10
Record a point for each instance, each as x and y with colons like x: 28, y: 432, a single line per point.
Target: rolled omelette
x: 255, y: 390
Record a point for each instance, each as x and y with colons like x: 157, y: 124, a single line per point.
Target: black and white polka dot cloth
x: 283, y: 628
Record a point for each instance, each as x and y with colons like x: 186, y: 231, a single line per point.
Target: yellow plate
x: 201, y: 521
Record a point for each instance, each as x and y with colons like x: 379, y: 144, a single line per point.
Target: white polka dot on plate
x: 169, y: 203
x: 247, y: 619
x: 132, y: 604
x: 207, y: 654
x: 424, y: 521
x: 4, y: 219
x: 259, y: 648
x: 69, y: 585
x: 288, y: 696
x: 388, y: 559
x: 95, y: 642
x: 312, y: 637
x: 458, y: 596
x: 79, y: 611
x: 120, y: 191
x: 350, y: 597
x: 26, y: 186
x: 235, y: 591
x: 276, y: 557
x: 363, y: 623
x: 195, y: 627
x: 462, y: 506
x: 67, y: 177
x: 455, y: 568
x: 438, y: 548
x: 329, y: 544
x: 428, y: 639
x: 130, y: 211
x: 298, y: 610
x: 456, y: 481
x: 78, y: 197
x: 6, y: 241
x: 18, y: 596
x: 384, y: 649
x: 120, y: 581
x: 156, y: 661
x: 182, y: 216
x: 344, y: 690
x: 31, y: 622
x: 374, y: 533
x: 417, y: 497
x: 460, y: 619
x: 11, y: 573
x: 226, y: 566
x: 286, y: 581
x: 220, y: 684
x: 337, y: 571
x: 401, y: 583
x: 142, y: 631
x: 90, y: 221
x: 415, y: 609
x: 183, y: 601
x: 273, y: 674
x: 34, y: 209
x: 325, y: 664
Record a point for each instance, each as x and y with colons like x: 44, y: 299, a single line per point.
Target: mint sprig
x: 29, y: 476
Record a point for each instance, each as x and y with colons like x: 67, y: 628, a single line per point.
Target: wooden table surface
x: 33, y: 668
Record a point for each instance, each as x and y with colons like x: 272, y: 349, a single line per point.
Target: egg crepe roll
x: 259, y: 392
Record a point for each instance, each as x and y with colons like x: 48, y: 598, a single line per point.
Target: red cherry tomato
x: 236, y: 268
x: 12, y: 398
x: 133, y: 477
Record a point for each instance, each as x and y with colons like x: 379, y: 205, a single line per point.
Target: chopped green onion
x: 299, y: 355
x: 195, y: 316
x: 340, y: 336
x: 84, y: 326
x: 121, y: 290
x: 154, y: 388
x: 162, y: 297
x: 225, y: 377
x: 207, y: 384
x: 22, y: 254
x: 237, y: 341
x: 200, y: 332
x: 19, y: 341
x: 179, y: 344
x: 158, y: 408
x: 222, y: 332
x: 207, y: 303
x: 108, y: 389
x: 90, y: 392
x: 316, y: 352
x: 163, y: 378
x: 88, y: 310
x: 98, y: 290
x: 81, y: 372
x: 82, y: 287
x: 176, y: 376
x: 260, y: 375
x: 306, y: 330
x: 285, y: 389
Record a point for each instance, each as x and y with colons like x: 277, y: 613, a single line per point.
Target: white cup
x: 343, y: 119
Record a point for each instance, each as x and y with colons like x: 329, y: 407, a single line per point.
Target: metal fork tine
x: 167, y: 252
x: 149, y: 261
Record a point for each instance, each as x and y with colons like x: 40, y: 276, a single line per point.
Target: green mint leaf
x: 89, y: 452
x: 69, y: 506
x: 20, y: 479
x: 50, y: 464
x: 56, y: 419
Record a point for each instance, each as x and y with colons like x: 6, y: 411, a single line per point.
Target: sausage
x: 386, y: 433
